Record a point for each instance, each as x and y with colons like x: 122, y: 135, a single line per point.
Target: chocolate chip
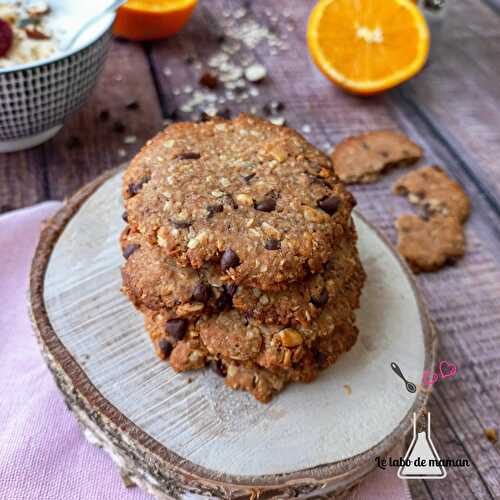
x: 218, y: 367
x: 125, y: 216
x: 165, y: 347
x: 118, y: 127
x: 272, y: 244
x: 104, y: 115
x: 230, y: 201
x: 130, y: 249
x: 328, y: 266
x: 180, y: 224
x: 188, y: 156
x: 322, y: 300
x: 229, y: 259
x: 135, y: 187
x: 202, y: 292
x: 189, y: 59
x: 224, y: 302
x: 273, y: 107
x: 176, y: 328
x: 321, y: 358
x: 214, y: 209
x: 248, y: 178
x: 132, y: 105
x: 265, y: 205
x: 314, y: 179
x: 224, y: 113
x: 209, y: 80
x: 329, y: 204
x: 231, y: 289
x: 204, y: 117
x: 221, y: 38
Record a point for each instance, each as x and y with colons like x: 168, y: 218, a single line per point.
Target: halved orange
x: 367, y: 46
x: 152, y: 19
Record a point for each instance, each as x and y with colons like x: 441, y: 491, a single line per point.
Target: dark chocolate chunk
x: 202, y: 292
x: 231, y: 289
x: 329, y: 204
x: 104, y: 115
x: 248, y: 178
x: 224, y: 113
x: 322, y: 300
x: 135, y: 187
x: 321, y: 358
x: 204, y: 117
x: 125, y: 216
x: 176, y: 328
x: 165, y: 347
x: 188, y: 156
x: 224, y: 302
x: 130, y: 249
x: 265, y: 205
x: 214, y: 209
x: 230, y: 201
x: 180, y: 224
x: 218, y: 367
x: 272, y: 244
x: 229, y: 259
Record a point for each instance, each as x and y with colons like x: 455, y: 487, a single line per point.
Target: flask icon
x: 422, y: 460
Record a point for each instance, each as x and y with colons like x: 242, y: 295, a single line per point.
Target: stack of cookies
x: 241, y: 253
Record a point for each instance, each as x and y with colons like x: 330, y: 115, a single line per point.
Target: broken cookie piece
x: 431, y: 188
x: 362, y: 158
x: 427, y: 245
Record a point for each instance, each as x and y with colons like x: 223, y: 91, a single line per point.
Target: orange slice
x: 152, y: 19
x: 367, y: 46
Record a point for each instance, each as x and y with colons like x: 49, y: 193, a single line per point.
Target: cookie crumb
x: 347, y: 390
x: 491, y: 434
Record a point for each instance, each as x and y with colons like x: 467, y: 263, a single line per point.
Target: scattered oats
x: 168, y: 144
x: 239, y: 13
x: 187, y: 89
x: 167, y: 71
x: 306, y: 129
x: 217, y: 194
x: 118, y: 78
x: 130, y: 139
x: 255, y: 73
x: 277, y: 120
x: 347, y: 390
x: 225, y: 182
x: 254, y: 92
x: 122, y: 153
x: 176, y: 92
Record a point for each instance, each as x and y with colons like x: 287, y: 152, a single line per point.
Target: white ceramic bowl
x: 36, y: 98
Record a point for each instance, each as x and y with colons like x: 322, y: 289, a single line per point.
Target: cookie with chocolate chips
x: 155, y: 280
x: 255, y: 199
x: 363, y: 158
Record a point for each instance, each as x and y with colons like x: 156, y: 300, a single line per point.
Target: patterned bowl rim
x: 62, y: 55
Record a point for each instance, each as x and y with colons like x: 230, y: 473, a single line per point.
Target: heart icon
x: 447, y: 369
x: 429, y: 378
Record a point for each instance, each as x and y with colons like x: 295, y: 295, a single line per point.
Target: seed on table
x: 177, y: 328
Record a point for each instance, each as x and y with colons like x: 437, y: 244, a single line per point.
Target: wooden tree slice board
x: 176, y: 434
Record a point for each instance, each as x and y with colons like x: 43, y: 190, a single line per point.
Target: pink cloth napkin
x: 43, y: 454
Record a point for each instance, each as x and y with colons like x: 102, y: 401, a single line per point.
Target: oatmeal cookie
x: 431, y: 188
x: 253, y: 198
x: 428, y: 245
x: 364, y: 157
x: 291, y: 362
x: 153, y: 279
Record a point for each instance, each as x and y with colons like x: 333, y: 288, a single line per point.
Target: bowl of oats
x: 40, y: 83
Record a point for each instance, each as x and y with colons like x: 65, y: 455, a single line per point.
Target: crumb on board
x: 347, y: 390
x: 491, y: 434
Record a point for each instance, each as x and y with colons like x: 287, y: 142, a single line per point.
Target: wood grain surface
x: 451, y: 109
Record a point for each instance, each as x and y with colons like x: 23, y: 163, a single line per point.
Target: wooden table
x: 452, y: 108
